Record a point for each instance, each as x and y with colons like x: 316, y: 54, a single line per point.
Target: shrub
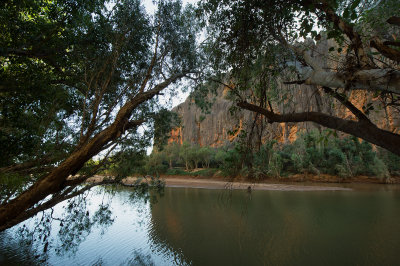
x: 391, y: 160
x: 176, y: 171
x: 315, y: 152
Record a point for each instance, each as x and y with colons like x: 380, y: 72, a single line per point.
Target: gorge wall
x: 219, y: 127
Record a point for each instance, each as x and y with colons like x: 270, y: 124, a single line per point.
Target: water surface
x: 223, y: 227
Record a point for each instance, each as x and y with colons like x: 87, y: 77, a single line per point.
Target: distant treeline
x: 315, y: 152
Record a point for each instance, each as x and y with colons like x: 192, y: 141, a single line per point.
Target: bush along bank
x: 312, y: 153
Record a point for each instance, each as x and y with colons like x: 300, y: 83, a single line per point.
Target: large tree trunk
x: 362, y: 129
x: 55, y: 180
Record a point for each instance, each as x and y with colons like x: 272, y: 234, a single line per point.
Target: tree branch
x: 391, y: 43
x: 360, y: 115
x: 51, y: 203
x: 27, y: 165
x: 394, y: 21
x: 387, y: 51
x: 347, y: 29
x: 54, y: 181
x: 361, y: 129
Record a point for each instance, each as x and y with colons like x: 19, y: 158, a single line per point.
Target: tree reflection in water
x: 64, y: 227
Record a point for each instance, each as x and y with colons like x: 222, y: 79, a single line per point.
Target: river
x: 188, y: 226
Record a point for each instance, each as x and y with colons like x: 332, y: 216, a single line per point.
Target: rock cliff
x: 219, y: 127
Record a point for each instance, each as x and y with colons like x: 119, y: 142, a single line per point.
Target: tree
x: 154, y: 164
x: 164, y: 122
x: 172, y: 153
x: 194, y: 155
x: 186, y: 155
x: 97, y: 69
x: 257, y: 42
x: 206, y: 154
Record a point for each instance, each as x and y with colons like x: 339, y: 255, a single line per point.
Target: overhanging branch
x: 360, y: 115
x: 385, y: 50
x: 361, y: 129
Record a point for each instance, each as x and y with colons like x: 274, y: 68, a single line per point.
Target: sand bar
x: 216, y: 184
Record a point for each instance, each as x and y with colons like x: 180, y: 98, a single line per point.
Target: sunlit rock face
x: 219, y: 127
x: 207, y: 129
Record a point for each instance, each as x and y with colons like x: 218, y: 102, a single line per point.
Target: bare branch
x: 394, y: 21
x: 385, y: 50
x: 152, y: 63
x: 299, y: 82
x: 391, y: 43
x: 361, y: 128
x: 360, y: 115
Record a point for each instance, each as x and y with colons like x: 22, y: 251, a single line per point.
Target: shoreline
x: 220, y: 184
x: 284, y: 184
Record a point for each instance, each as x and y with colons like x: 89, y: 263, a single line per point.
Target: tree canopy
x: 259, y: 43
x: 78, y: 78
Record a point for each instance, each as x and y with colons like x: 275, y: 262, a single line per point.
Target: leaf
x: 354, y: 4
x: 314, y: 33
x: 331, y: 49
x: 346, y: 13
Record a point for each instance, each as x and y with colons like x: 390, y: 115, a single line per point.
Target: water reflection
x: 279, y: 228
x: 212, y: 227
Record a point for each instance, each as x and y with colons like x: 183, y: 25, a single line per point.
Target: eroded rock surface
x: 219, y: 127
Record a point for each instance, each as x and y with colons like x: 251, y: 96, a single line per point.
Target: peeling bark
x: 371, y: 80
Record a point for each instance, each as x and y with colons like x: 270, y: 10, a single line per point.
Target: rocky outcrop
x: 219, y: 127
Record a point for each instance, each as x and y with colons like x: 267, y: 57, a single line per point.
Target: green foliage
x: 206, y: 155
x: 186, y: 155
x: 231, y: 162
x: 164, y: 122
x: 203, y: 172
x: 155, y: 164
x: 346, y: 157
x: 314, y: 152
x: 267, y: 161
x: 52, y: 53
x: 172, y: 153
x: 391, y: 160
x: 177, y: 171
x: 128, y: 163
x: 373, y: 20
x: 209, y: 172
x: 11, y: 183
x: 66, y: 69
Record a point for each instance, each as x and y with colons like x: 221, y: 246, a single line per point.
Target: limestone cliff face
x: 205, y: 129
x: 219, y: 127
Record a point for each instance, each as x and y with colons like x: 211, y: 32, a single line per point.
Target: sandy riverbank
x: 268, y: 184
x: 190, y: 182
x: 216, y: 184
